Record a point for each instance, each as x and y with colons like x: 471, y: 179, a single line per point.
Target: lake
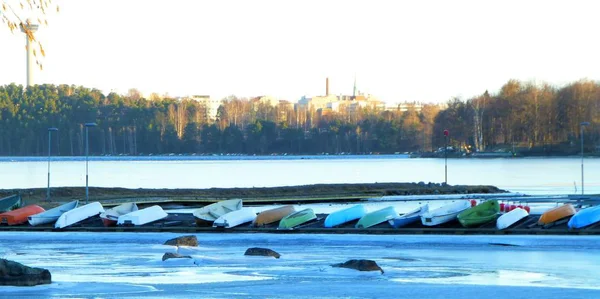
x: 525, y: 175
x: 129, y: 265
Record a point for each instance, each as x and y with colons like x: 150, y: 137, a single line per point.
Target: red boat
x: 19, y: 216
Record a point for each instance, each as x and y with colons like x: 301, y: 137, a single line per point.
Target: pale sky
x: 428, y: 51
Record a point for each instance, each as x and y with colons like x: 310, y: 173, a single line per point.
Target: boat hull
x: 111, y: 216
x: 507, y: 220
x: 52, y: 215
x: 297, y: 218
x: 483, y: 213
x: 445, y: 213
x: 346, y: 215
x: 273, y: 215
x: 10, y: 203
x: 556, y: 214
x: 108, y: 222
x: 19, y: 216
x: 235, y: 218
x: 78, y: 214
x: 377, y: 217
x: 143, y: 216
x: 205, y: 216
x: 585, y: 217
x: 409, y: 218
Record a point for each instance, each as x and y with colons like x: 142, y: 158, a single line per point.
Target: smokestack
x: 326, y: 86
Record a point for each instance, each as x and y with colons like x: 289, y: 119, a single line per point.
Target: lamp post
x: 446, y: 133
x: 581, y: 125
x: 87, y: 145
x: 50, y: 130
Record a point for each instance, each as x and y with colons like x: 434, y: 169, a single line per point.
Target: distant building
x: 211, y: 106
x: 402, y: 107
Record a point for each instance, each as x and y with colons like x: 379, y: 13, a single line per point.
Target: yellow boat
x: 556, y: 214
x: 272, y: 215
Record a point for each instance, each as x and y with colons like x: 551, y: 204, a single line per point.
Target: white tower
x: 29, y: 26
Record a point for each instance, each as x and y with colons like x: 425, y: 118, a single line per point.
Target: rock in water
x: 262, y: 252
x: 171, y: 255
x: 360, y: 265
x: 17, y: 274
x: 183, y: 241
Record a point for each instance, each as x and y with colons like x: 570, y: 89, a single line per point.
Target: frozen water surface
x: 129, y: 265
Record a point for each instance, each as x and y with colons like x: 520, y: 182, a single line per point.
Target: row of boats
x: 231, y: 213
x: 71, y: 213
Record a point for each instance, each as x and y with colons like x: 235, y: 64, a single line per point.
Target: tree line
x: 534, y: 118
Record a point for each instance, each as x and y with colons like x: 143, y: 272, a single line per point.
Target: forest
x: 528, y: 118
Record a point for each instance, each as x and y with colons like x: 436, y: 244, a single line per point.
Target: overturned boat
x: 205, y: 216
x: 78, y: 214
x: 143, y: 216
x: 50, y: 216
x: 111, y: 216
x: 346, y: 215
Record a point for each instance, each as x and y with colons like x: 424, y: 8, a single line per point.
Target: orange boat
x: 556, y: 214
x: 19, y: 216
x: 273, y: 215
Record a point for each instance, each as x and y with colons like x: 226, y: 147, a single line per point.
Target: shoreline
x: 244, y: 157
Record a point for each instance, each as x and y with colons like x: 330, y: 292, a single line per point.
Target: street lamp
x: 581, y: 125
x: 50, y: 130
x: 446, y: 133
x: 87, y: 145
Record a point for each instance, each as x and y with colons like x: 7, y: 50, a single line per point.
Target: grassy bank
x: 299, y: 193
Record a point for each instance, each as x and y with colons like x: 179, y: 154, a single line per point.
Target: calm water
x: 532, y: 175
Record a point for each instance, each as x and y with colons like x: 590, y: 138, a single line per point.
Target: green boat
x: 10, y: 203
x: 377, y: 217
x: 292, y: 220
x: 480, y: 214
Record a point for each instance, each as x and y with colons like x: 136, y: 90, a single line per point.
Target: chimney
x: 326, y: 86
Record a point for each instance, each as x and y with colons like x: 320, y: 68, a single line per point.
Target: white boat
x: 235, y: 218
x: 50, y: 216
x: 143, y: 216
x: 445, y: 213
x: 78, y: 214
x: 511, y: 218
x: 109, y: 217
x: 410, y: 217
x: 210, y: 213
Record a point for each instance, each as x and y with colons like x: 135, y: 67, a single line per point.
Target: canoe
x: 143, y: 216
x: 377, y: 217
x: 510, y: 218
x: 445, y: 213
x: 292, y: 220
x: 585, y: 217
x: 556, y: 214
x: 235, y: 218
x: 208, y: 214
x: 410, y: 217
x: 50, y: 216
x: 78, y: 214
x: 482, y: 213
x: 10, y: 203
x: 19, y: 216
x: 111, y: 216
x: 346, y: 215
x: 272, y: 215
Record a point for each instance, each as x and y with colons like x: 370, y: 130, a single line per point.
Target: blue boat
x: 585, y: 217
x: 410, y: 217
x: 346, y: 215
